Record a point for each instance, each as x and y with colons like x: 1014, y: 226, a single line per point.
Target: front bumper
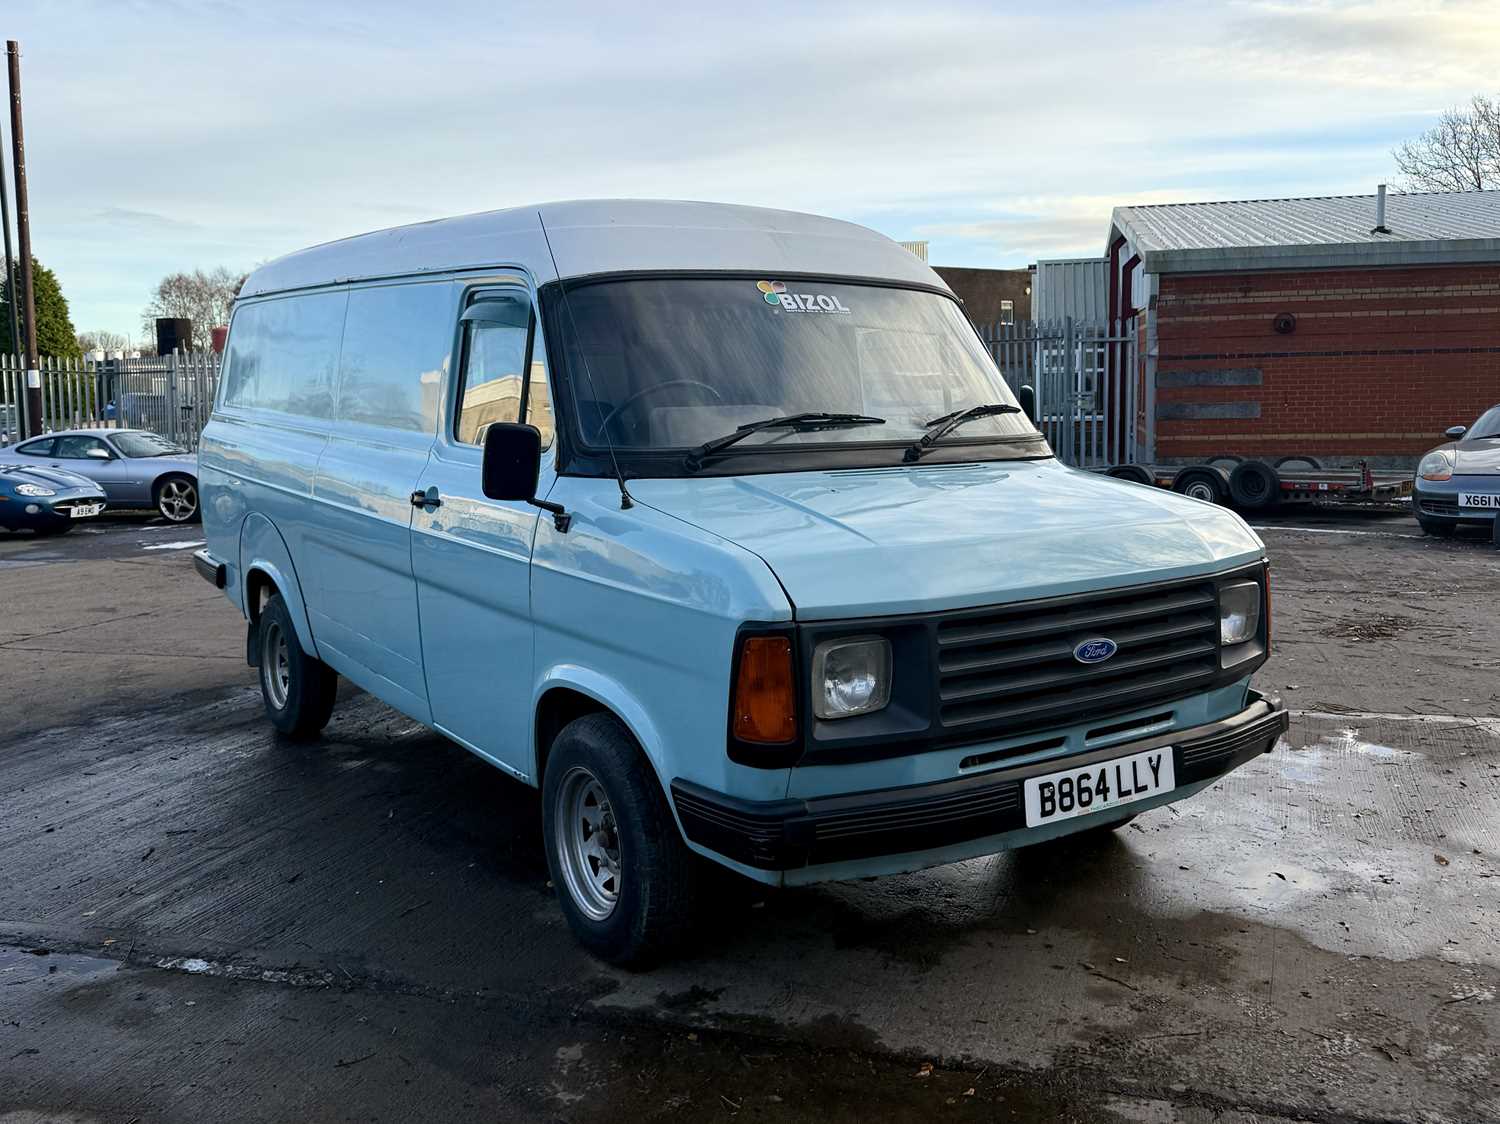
x: 1436, y: 501
x: 789, y: 834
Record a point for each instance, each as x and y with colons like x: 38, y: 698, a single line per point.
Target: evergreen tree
x: 55, y: 335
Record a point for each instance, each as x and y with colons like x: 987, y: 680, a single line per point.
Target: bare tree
x: 103, y: 340
x: 202, y: 297
x: 1461, y: 153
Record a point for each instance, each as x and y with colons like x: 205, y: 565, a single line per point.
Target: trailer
x: 1251, y: 485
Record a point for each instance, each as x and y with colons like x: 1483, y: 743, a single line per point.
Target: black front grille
x: 1005, y: 670
x: 1440, y: 507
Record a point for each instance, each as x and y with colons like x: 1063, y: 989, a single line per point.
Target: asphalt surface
x: 198, y: 921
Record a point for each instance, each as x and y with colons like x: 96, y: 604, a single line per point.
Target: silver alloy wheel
x: 1201, y: 490
x: 178, y: 500
x: 588, y: 843
x: 275, y: 666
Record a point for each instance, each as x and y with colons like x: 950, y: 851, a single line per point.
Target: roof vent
x: 1380, y: 227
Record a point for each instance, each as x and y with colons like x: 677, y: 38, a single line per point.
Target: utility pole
x: 10, y: 277
x: 23, y: 229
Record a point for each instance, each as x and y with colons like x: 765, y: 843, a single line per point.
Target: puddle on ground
x: 24, y: 965
x: 1305, y: 763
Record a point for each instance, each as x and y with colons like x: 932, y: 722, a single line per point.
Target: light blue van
x: 718, y: 525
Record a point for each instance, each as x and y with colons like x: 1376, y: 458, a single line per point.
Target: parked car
x: 719, y: 525
x: 135, y: 467
x: 1458, y: 484
x: 49, y: 501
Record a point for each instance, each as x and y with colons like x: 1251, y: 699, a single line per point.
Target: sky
x: 164, y: 136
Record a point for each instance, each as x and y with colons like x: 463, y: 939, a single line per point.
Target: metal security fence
x: 1086, y: 380
x: 171, y: 395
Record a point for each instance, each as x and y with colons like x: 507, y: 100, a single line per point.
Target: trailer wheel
x: 1310, y: 462
x: 1229, y: 460
x: 1200, y: 484
x: 1254, y: 486
x: 1132, y: 472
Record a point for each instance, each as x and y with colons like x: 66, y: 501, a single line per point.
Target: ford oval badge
x: 1096, y: 650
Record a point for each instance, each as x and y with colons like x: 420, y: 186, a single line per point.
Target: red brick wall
x: 1381, y: 362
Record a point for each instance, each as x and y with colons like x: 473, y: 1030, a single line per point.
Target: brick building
x: 1343, y: 327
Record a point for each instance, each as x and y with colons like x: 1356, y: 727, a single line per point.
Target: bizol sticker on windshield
x: 775, y: 293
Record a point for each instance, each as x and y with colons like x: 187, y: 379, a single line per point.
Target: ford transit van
x: 719, y: 526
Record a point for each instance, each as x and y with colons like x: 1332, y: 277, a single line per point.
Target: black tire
x: 297, y: 689
x: 1201, y: 484
x: 176, y: 498
x: 650, y: 911
x: 1437, y: 530
x: 1132, y: 472
x: 1254, y: 486
x: 1311, y: 462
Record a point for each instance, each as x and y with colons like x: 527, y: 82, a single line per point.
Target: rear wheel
x: 624, y: 878
x: 1254, y: 485
x: 297, y: 689
x: 176, y: 497
x: 1132, y: 472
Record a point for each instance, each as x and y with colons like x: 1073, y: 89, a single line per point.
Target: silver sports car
x: 1458, y: 484
x: 135, y: 467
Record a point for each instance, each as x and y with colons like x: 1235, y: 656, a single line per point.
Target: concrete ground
x: 200, y: 922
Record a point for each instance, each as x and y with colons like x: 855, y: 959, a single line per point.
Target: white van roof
x: 604, y: 236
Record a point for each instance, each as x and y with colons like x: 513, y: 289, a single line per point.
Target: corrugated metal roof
x: 1076, y: 287
x: 1335, y: 229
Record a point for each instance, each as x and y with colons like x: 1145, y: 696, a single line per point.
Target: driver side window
x: 504, y: 369
x: 80, y: 448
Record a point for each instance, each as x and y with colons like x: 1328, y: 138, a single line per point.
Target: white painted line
x: 184, y: 544
x: 1488, y: 725
x: 1336, y: 531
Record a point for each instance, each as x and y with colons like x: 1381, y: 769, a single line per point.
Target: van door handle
x: 429, y: 498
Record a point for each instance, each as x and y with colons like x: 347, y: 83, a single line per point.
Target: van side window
x: 283, y: 354
x: 499, y: 383
x: 395, y: 354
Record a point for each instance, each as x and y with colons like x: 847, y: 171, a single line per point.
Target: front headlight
x: 851, y: 676
x: 1436, y: 465
x: 1239, y: 613
x: 33, y: 490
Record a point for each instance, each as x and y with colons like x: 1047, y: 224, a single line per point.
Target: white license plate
x: 1479, y: 499
x: 83, y: 510
x: 1097, y: 788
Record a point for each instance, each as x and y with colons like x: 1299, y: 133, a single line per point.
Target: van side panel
x: 254, y: 463
x: 640, y: 611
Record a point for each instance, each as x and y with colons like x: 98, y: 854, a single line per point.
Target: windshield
x: 133, y: 444
x: 672, y: 363
x: 1488, y: 425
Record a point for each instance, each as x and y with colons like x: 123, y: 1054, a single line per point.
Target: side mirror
x: 1027, y: 396
x: 1454, y: 432
x: 98, y: 454
x: 512, y: 461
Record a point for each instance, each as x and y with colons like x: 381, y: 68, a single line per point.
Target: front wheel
x: 624, y: 877
x: 176, y: 497
x: 1436, y: 530
x: 297, y: 689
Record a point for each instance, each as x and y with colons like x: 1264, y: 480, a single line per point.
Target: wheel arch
x: 266, y: 563
x: 566, y: 693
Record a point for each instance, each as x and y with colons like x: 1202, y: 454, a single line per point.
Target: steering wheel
x: 646, y: 392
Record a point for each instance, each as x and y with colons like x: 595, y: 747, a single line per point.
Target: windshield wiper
x: 803, y: 423
x: 939, y: 427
